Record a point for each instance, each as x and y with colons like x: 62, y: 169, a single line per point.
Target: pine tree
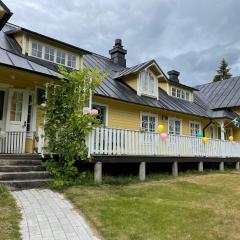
x: 223, y: 72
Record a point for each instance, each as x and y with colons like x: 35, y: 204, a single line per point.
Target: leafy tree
x: 66, y: 126
x: 223, y: 72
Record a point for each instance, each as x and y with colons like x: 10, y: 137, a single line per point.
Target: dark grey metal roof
x: 10, y: 59
x: 222, y: 94
x: 116, y: 89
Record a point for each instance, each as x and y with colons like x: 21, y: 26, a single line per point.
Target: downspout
x: 207, y: 127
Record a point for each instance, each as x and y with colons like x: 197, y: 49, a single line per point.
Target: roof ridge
x: 231, y: 78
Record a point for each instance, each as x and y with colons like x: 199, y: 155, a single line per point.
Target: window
x: 53, y: 54
x: 2, y: 93
x: 179, y: 93
x: 61, y: 57
x: 148, y: 122
x: 175, y: 126
x: 49, y: 54
x: 71, y: 61
x: 174, y: 92
x: 147, y: 83
x: 102, y: 112
x: 194, y: 128
x: 37, y: 50
x: 16, y: 106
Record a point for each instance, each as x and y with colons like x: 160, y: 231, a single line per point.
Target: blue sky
x: 190, y: 36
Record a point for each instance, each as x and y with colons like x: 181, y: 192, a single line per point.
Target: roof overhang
x: 39, y: 35
x: 5, y: 14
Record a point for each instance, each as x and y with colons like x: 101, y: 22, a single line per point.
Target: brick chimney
x: 118, y: 53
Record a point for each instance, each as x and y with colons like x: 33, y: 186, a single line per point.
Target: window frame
x: 179, y: 93
x: 148, y: 114
x: 195, y: 123
x: 145, y: 89
x: 181, y: 125
x: 44, y: 46
x: 106, y: 106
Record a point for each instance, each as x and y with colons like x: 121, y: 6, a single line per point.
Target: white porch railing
x: 110, y: 141
x: 12, y: 142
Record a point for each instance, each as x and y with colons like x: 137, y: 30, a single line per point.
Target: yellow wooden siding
x: 131, y: 81
x: 126, y: 115
x: 164, y: 86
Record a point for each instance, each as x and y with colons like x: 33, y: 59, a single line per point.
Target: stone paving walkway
x: 46, y: 215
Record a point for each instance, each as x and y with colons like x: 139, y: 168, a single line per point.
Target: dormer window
x: 71, y: 61
x: 180, y: 93
x: 61, y: 57
x: 147, y: 84
x: 49, y: 54
x: 53, y: 54
x: 37, y: 50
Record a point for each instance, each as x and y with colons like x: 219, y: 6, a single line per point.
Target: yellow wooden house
x: 132, y: 102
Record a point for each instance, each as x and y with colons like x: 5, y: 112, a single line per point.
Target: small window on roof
x: 61, y: 57
x: 147, y: 83
x: 71, y: 61
x: 37, y: 49
x: 49, y: 54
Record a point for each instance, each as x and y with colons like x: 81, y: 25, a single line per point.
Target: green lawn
x: 188, y: 207
x: 9, y: 216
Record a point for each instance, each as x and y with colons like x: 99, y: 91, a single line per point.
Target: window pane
x: 37, y: 50
x: 145, y: 122
x: 101, y: 113
x: 2, y: 93
x: 16, y: 106
x: 71, y: 61
x: 174, y: 92
x: 187, y: 96
x: 49, y: 54
x: 61, y: 57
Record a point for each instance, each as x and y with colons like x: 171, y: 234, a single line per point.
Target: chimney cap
x: 173, y: 75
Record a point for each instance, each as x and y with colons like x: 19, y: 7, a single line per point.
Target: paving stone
x: 48, y: 216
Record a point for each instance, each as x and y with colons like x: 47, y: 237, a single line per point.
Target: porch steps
x: 23, y: 171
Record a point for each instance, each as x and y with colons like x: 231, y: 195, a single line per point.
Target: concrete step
x: 24, y: 175
x: 21, y: 168
x: 25, y: 184
x: 4, y: 162
x: 20, y: 156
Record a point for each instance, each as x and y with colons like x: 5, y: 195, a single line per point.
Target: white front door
x: 17, y: 120
x: 17, y: 109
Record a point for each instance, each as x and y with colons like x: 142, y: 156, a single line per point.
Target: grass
x: 193, y: 207
x: 9, y: 216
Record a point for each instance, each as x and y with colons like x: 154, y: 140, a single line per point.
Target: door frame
x: 4, y: 119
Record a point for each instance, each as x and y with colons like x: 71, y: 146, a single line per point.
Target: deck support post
x: 200, y: 166
x: 175, y: 169
x: 237, y: 165
x: 221, y: 166
x: 142, y: 171
x: 98, y: 172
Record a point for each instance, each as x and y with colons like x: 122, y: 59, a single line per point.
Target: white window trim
x: 139, y: 85
x: 107, y: 107
x: 185, y: 91
x: 149, y: 115
x: 31, y: 41
x: 194, y: 122
x: 175, y: 119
